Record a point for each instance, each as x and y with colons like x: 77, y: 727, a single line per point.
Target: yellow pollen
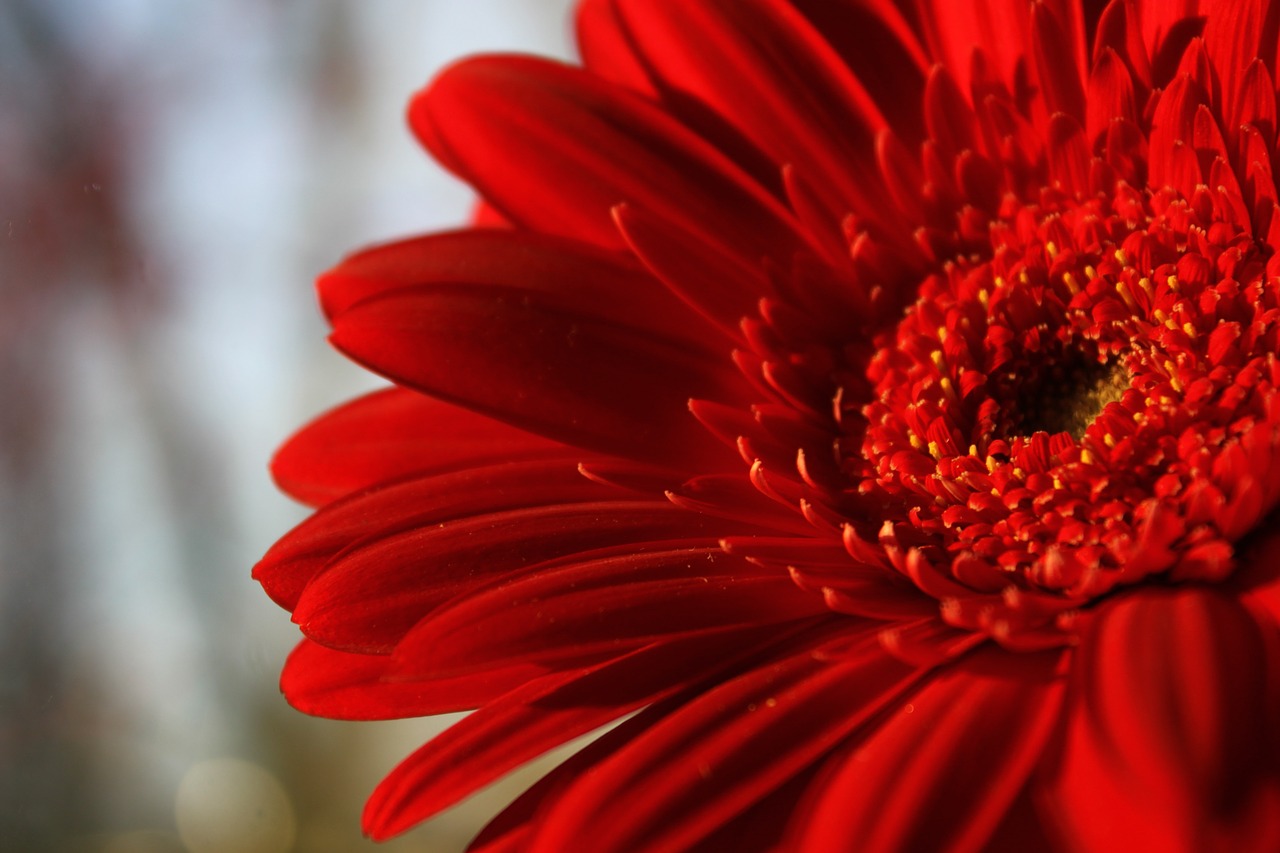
x: 934, y: 450
x: 942, y: 334
x: 916, y: 442
x: 1085, y: 456
x: 948, y: 389
x: 1122, y: 257
x: 939, y: 360
x: 984, y: 297
x: 1109, y: 440
x: 1070, y: 281
x: 1089, y: 272
x: 1051, y: 249
x: 1189, y: 329
x: 1173, y: 283
x: 1123, y: 289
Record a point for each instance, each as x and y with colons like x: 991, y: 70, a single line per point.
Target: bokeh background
x: 173, y: 174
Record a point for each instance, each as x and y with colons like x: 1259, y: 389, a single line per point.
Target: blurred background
x: 173, y: 174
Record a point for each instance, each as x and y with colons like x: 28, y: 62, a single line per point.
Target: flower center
x: 1072, y: 396
x: 1085, y: 400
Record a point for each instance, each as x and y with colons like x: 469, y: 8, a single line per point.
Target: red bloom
x: 878, y: 399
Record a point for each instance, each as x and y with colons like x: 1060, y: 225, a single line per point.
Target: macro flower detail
x: 869, y: 408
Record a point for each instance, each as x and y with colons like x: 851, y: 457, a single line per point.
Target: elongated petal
x: 568, y: 376
x: 558, y: 273
x: 370, y: 595
x: 809, y: 111
x: 391, y: 434
x: 555, y: 149
x: 415, y: 503
x: 958, y: 750
x: 540, y: 716
x: 610, y: 605
x: 345, y: 686
x: 1170, y: 744
x: 723, y: 752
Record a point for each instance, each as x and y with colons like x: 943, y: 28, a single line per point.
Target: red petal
x: 607, y: 48
x: 723, y: 752
x: 954, y: 28
x: 877, y: 43
x: 370, y: 595
x: 563, y: 274
x: 555, y: 148
x: 571, y: 377
x: 765, y: 69
x: 1110, y: 97
x: 1056, y: 68
x: 1233, y: 35
x: 1171, y: 743
x: 719, y: 286
x: 958, y: 750
x: 420, y: 502
x: 345, y: 686
x: 543, y: 715
x: 1068, y: 154
x: 1173, y: 128
x: 391, y: 434
x: 581, y: 611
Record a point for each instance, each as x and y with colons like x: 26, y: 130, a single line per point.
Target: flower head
x: 873, y: 405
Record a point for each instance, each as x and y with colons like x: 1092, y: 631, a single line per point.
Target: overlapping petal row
x: 872, y: 404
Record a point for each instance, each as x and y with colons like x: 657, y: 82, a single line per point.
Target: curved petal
x: 571, y: 377
x: 606, y: 606
x: 562, y: 274
x: 959, y: 749
x: 1171, y: 741
x: 344, y: 686
x: 544, y: 714
x: 391, y: 434
x: 724, y: 751
x: 763, y: 67
x: 417, y: 503
x: 555, y: 149
x: 370, y: 595
x: 606, y: 47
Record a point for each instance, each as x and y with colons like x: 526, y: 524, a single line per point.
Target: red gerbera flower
x: 872, y: 404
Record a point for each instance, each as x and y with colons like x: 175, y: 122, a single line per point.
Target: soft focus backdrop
x: 173, y: 174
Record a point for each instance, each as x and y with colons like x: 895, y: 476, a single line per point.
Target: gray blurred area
x: 173, y: 174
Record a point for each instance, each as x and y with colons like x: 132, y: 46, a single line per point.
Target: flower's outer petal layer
x: 343, y: 686
x: 555, y: 149
x: 370, y: 595
x: 876, y: 41
x: 726, y: 750
x: 594, y: 608
x: 392, y: 434
x: 571, y: 377
x: 959, y: 750
x: 1171, y: 741
x: 542, y: 715
x: 512, y: 829
x: 559, y: 273
x: 415, y: 503
x: 607, y: 49
x: 764, y: 68
x: 953, y: 30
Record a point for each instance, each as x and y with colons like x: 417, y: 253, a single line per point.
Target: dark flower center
x: 1071, y: 396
